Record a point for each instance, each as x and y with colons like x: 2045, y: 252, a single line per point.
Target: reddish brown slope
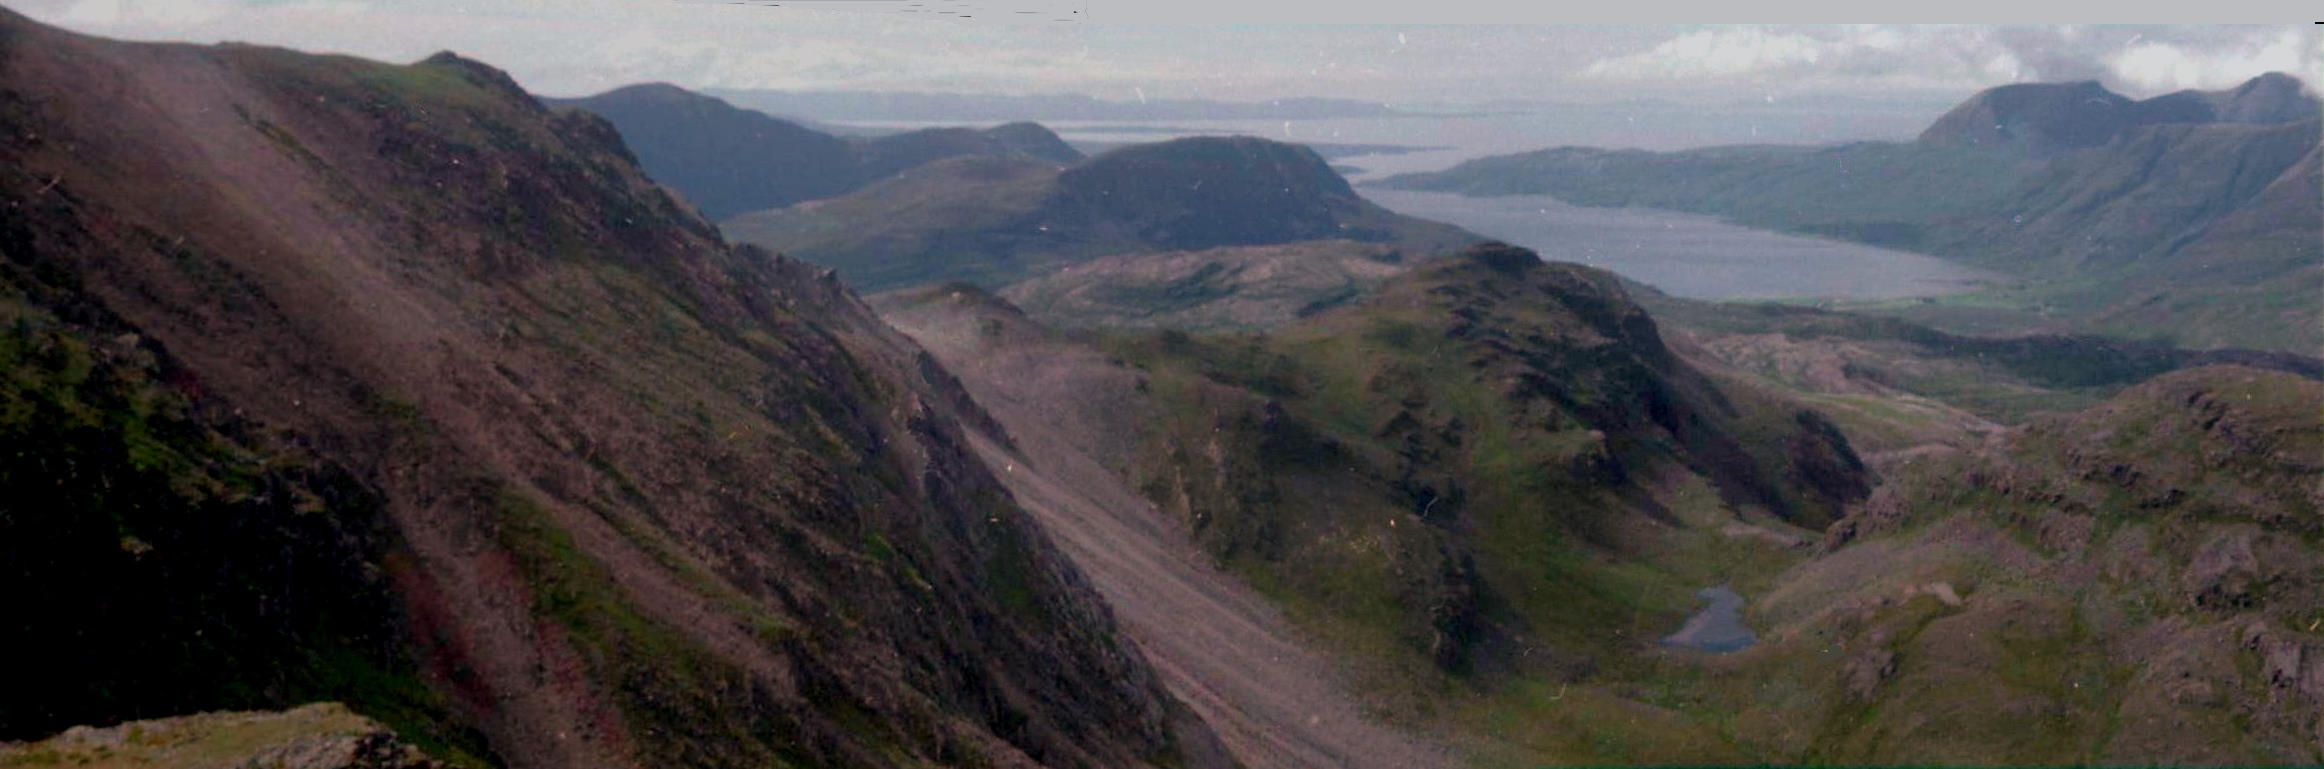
x: 657, y: 502
x: 1223, y: 649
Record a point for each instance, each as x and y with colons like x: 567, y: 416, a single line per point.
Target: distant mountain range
x: 972, y: 108
x: 2045, y: 120
x: 2186, y: 217
x: 728, y: 160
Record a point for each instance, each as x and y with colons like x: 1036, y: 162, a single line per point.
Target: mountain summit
x: 2045, y: 120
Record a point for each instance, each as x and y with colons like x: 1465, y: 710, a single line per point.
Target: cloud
x: 568, y: 47
x: 1715, y: 53
x: 2139, y: 60
x: 2166, y: 66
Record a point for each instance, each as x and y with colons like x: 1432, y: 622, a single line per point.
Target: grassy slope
x: 2051, y: 657
x: 2132, y: 576
x: 1494, y: 561
x: 1246, y: 287
x: 1323, y: 464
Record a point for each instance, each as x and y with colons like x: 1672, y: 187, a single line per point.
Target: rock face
x: 993, y: 221
x: 319, y: 736
x: 500, y: 442
x: 730, y: 161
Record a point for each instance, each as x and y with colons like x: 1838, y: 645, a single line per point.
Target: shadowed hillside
x: 730, y: 161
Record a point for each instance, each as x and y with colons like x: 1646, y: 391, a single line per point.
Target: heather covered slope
x: 729, y: 161
x: 994, y: 221
x: 1487, y: 478
x: 501, y: 444
x: 2137, y: 582
x: 2186, y: 217
x: 1486, y: 490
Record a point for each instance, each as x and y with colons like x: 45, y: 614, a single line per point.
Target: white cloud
x: 2139, y: 60
x: 2165, y: 66
x: 1874, y: 57
x: 567, y: 47
x: 1714, y: 53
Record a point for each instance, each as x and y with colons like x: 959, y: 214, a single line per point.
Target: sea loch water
x: 1697, y: 257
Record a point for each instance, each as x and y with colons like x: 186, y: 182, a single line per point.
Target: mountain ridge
x: 730, y: 160
x: 993, y: 221
x: 2045, y: 120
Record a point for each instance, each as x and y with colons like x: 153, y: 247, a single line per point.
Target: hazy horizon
x: 589, y: 46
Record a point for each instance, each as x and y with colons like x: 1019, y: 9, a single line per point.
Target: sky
x: 574, y: 47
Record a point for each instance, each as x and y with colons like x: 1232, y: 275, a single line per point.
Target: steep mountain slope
x: 2246, y: 280
x: 447, y: 412
x: 729, y: 161
x: 992, y: 221
x: 2097, y: 202
x: 1071, y: 411
x: 2136, y: 199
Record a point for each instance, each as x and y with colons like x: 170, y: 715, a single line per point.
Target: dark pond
x: 1718, y: 628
